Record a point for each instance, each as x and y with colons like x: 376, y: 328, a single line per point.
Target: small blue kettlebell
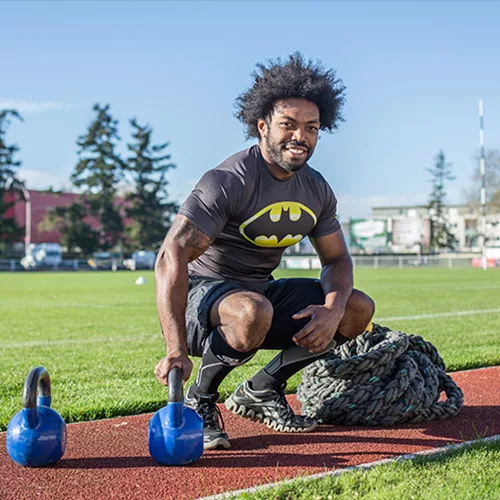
x: 36, y: 435
x: 175, y: 432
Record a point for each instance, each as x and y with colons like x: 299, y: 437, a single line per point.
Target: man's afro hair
x: 292, y: 78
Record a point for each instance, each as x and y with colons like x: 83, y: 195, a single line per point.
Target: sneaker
x: 269, y: 407
x: 206, y: 406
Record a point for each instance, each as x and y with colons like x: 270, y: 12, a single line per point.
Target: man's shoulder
x: 313, y: 174
x: 317, y: 182
x: 240, y: 161
x: 234, y: 174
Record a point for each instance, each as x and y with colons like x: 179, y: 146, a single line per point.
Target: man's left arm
x: 337, y: 284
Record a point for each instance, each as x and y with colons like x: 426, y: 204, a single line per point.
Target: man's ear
x: 262, y: 127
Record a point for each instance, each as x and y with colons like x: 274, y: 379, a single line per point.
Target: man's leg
x: 259, y: 397
x: 239, y: 321
x: 358, y: 315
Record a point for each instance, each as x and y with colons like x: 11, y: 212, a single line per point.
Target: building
x: 408, y: 227
x: 32, y: 207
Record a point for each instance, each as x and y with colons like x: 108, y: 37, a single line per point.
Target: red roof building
x: 41, y: 203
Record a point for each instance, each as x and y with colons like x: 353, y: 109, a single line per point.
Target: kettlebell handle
x: 38, y: 378
x: 175, y: 392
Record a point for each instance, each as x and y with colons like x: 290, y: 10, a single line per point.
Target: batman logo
x: 281, y: 224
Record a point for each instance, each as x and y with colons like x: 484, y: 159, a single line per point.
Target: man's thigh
x: 289, y: 296
x: 202, y: 295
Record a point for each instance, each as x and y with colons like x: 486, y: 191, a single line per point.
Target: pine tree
x: 9, y: 230
x: 148, y: 206
x: 98, y: 172
x: 76, y: 234
x: 441, y: 236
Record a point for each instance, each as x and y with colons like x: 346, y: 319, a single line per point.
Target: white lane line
x: 95, y: 340
x: 338, y: 472
x: 439, y: 315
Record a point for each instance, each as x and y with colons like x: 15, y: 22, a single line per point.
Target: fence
x: 300, y: 262
x: 66, y: 265
x: 376, y: 261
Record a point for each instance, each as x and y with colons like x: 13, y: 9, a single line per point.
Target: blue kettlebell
x: 175, y: 432
x: 36, y: 435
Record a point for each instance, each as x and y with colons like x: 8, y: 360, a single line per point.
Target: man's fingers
x: 186, y: 372
x: 161, y: 375
x: 305, y: 313
x: 315, y: 341
x: 315, y: 347
x: 304, y: 332
x: 165, y: 365
x: 311, y: 340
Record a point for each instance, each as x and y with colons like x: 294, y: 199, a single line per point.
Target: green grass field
x: 471, y: 473
x: 98, y: 334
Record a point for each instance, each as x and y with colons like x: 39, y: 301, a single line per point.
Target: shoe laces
x: 282, y: 403
x: 211, y: 415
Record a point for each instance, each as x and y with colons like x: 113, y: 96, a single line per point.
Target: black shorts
x: 287, y: 296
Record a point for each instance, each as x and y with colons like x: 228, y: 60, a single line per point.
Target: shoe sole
x: 217, y: 443
x: 250, y: 413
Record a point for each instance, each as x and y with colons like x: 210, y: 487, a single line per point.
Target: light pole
x: 482, y: 170
x: 27, y: 236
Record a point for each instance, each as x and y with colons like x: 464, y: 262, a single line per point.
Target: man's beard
x: 277, y: 151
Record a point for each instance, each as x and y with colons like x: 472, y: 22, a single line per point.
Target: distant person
x: 216, y: 296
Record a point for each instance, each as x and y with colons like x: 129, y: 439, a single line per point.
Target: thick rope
x: 380, y: 378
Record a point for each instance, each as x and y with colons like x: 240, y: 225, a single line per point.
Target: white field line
x: 337, y: 472
x: 35, y: 343
x: 444, y: 286
x: 95, y: 340
x: 439, y: 315
x: 47, y: 305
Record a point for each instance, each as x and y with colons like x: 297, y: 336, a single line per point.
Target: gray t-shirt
x: 252, y: 216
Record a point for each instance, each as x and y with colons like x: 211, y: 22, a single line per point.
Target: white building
x: 408, y: 227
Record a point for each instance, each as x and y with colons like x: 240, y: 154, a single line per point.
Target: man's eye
x: 286, y: 124
x: 314, y: 129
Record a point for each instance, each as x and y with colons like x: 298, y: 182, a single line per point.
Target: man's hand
x: 172, y: 359
x: 319, y: 332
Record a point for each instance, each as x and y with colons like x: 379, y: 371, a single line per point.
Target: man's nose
x: 299, y: 135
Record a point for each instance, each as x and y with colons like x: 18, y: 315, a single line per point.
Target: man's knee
x: 245, y: 320
x: 362, y: 304
x: 358, y: 314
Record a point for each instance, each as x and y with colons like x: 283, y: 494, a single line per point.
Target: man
x: 216, y: 297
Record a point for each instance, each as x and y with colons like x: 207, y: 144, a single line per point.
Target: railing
x: 66, y: 265
x: 10, y: 265
x: 294, y: 262
x: 376, y: 261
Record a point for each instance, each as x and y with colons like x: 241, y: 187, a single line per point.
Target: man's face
x: 290, y: 133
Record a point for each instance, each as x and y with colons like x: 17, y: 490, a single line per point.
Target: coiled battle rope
x: 380, y: 378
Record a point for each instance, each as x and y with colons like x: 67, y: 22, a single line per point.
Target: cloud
x: 32, y: 106
x: 36, y: 179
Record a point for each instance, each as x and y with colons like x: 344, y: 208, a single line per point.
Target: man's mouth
x: 296, y: 151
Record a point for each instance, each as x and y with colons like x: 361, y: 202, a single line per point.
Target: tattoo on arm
x: 187, y: 235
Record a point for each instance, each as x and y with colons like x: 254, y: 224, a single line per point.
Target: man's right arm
x: 183, y: 243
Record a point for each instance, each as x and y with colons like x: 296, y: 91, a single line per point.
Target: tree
x: 76, y: 234
x: 148, y: 205
x: 441, y: 236
x: 98, y: 172
x: 492, y: 181
x: 9, y: 230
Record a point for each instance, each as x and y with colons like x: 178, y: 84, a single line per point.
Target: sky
x: 414, y: 73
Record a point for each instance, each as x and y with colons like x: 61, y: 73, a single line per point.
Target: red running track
x: 110, y: 459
